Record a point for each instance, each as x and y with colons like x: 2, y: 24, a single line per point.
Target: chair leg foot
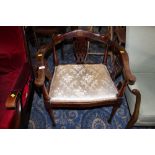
x: 135, y: 115
x: 130, y: 124
x: 114, y: 109
x: 50, y: 111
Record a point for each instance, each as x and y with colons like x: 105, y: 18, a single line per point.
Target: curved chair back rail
x: 81, y: 33
x: 80, y: 40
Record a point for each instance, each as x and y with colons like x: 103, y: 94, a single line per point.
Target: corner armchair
x: 83, y: 85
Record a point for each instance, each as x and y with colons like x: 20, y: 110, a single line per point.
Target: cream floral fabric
x: 82, y: 83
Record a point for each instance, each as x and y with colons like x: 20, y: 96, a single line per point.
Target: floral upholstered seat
x: 82, y: 83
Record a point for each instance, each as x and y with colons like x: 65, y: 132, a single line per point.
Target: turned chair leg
x: 114, y: 109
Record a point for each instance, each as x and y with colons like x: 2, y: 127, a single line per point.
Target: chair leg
x: 134, y: 116
x: 131, y: 123
x: 114, y: 109
x: 47, y: 104
x: 50, y: 111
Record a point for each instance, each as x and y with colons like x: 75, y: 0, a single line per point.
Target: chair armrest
x: 42, y: 70
x: 40, y: 79
x: 40, y: 73
x: 126, y: 68
x: 11, y: 100
x: 130, y: 78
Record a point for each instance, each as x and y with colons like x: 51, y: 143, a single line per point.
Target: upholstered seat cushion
x: 82, y: 83
x: 145, y: 83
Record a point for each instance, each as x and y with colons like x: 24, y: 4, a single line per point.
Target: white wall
x: 140, y: 45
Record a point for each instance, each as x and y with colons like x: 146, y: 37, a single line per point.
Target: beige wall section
x: 140, y: 45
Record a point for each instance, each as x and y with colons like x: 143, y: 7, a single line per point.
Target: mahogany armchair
x: 15, y: 78
x: 82, y: 85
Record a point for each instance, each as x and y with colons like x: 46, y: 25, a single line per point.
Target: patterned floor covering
x: 77, y: 119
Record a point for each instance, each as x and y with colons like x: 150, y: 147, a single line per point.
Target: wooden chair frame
x: 134, y: 116
x: 128, y: 77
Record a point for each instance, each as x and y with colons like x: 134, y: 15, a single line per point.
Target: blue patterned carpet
x: 77, y: 119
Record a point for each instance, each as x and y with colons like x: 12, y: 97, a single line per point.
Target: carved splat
x: 80, y: 49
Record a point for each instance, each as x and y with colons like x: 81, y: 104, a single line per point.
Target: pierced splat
x: 80, y: 49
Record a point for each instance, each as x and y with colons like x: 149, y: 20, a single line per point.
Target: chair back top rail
x: 81, y: 40
x: 81, y: 34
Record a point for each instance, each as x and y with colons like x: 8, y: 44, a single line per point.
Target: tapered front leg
x: 135, y: 115
x: 114, y: 109
x: 51, y: 114
x: 48, y: 104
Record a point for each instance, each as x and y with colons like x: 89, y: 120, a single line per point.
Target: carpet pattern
x: 77, y: 119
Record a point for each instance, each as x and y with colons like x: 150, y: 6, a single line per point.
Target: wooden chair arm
x: 134, y: 116
x: 11, y: 101
x: 42, y: 68
x: 40, y: 73
x: 131, y: 79
x: 40, y: 79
